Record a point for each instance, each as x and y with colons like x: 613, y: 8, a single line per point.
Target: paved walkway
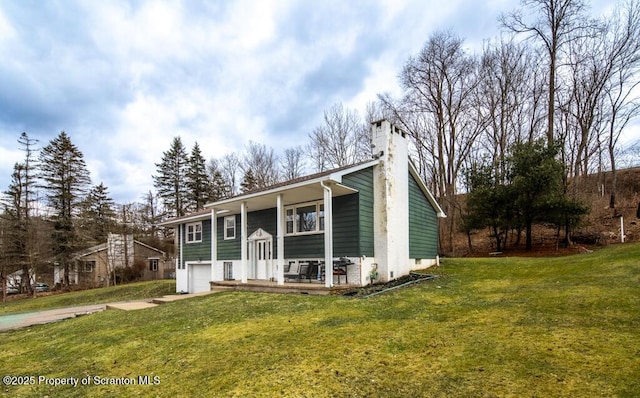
x: 17, y: 321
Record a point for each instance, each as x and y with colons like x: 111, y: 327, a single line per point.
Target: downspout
x: 180, y: 258
x: 328, y: 235
x: 214, y: 246
x: 280, y: 241
x: 243, y: 242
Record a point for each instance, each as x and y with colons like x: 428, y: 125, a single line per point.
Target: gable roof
x: 103, y: 246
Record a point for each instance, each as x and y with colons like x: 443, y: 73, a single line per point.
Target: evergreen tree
x: 19, y: 239
x: 98, y: 214
x: 249, y: 182
x: 29, y: 167
x: 199, y: 187
x: 171, y: 177
x: 220, y: 188
x: 536, y: 179
x: 489, y: 204
x: 532, y: 192
x: 65, y: 179
x: 15, y: 239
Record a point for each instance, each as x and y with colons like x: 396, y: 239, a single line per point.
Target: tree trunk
x: 567, y: 236
x: 67, y: 283
x: 614, y: 174
x: 552, y: 93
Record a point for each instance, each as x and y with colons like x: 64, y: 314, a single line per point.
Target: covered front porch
x: 294, y: 220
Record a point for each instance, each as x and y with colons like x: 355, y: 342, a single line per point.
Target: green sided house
x: 370, y: 222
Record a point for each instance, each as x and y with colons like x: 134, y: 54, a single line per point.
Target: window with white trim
x: 305, y: 218
x: 153, y: 264
x: 194, y: 232
x: 230, y: 227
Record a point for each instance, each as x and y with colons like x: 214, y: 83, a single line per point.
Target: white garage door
x: 199, y: 278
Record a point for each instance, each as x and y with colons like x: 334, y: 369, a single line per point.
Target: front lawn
x: 561, y: 327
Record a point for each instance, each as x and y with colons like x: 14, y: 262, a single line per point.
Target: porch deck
x: 262, y: 286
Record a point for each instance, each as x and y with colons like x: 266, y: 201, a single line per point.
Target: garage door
x: 199, y: 277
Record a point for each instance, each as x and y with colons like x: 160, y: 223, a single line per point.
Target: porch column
x: 328, y: 235
x: 214, y: 247
x: 280, y: 241
x: 243, y: 241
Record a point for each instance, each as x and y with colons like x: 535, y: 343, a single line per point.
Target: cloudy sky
x: 123, y: 78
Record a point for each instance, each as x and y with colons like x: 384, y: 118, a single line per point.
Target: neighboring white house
x: 14, y: 279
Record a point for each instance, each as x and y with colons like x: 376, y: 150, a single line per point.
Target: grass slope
x: 487, y: 328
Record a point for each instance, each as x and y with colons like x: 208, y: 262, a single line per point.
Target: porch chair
x: 292, y: 270
x: 304, y: 272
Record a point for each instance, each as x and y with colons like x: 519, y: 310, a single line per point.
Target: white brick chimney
x: 391, y: 203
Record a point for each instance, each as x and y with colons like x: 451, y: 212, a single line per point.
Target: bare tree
x: 589, y: 71
x: 341, y: 141
x: 229, y: 167
x: 151, y: 214
x: 622, y: 103
x: 292, y: 163
x: 504, y: 107
x: 437, y: 111
x: 263, y: 164
x: 557, y: 23
x: 419, y: 127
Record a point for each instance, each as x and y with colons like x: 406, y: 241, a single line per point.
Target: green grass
x: 132, y: 291
x: 500, y: 327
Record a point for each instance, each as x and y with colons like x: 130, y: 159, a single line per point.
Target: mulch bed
x: 381, y: 287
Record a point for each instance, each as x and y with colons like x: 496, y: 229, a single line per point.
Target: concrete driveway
x: 17, y: 321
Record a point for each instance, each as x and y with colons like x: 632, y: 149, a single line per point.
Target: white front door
x: 261, y: 259
x: 260, y: 254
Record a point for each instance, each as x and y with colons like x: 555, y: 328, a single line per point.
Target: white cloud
x: 7, y: 32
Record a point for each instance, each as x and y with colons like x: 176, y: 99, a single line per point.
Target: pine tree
x: 199, y: 189
x: 65, y: 179
x: 249, y: 182
x: 220, y: 188
x: 171, y: 177
x: 98, y: 214
x: 15, y: 239
x: 20, y: 242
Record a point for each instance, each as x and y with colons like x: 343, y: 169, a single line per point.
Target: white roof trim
x: 185, y: 220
